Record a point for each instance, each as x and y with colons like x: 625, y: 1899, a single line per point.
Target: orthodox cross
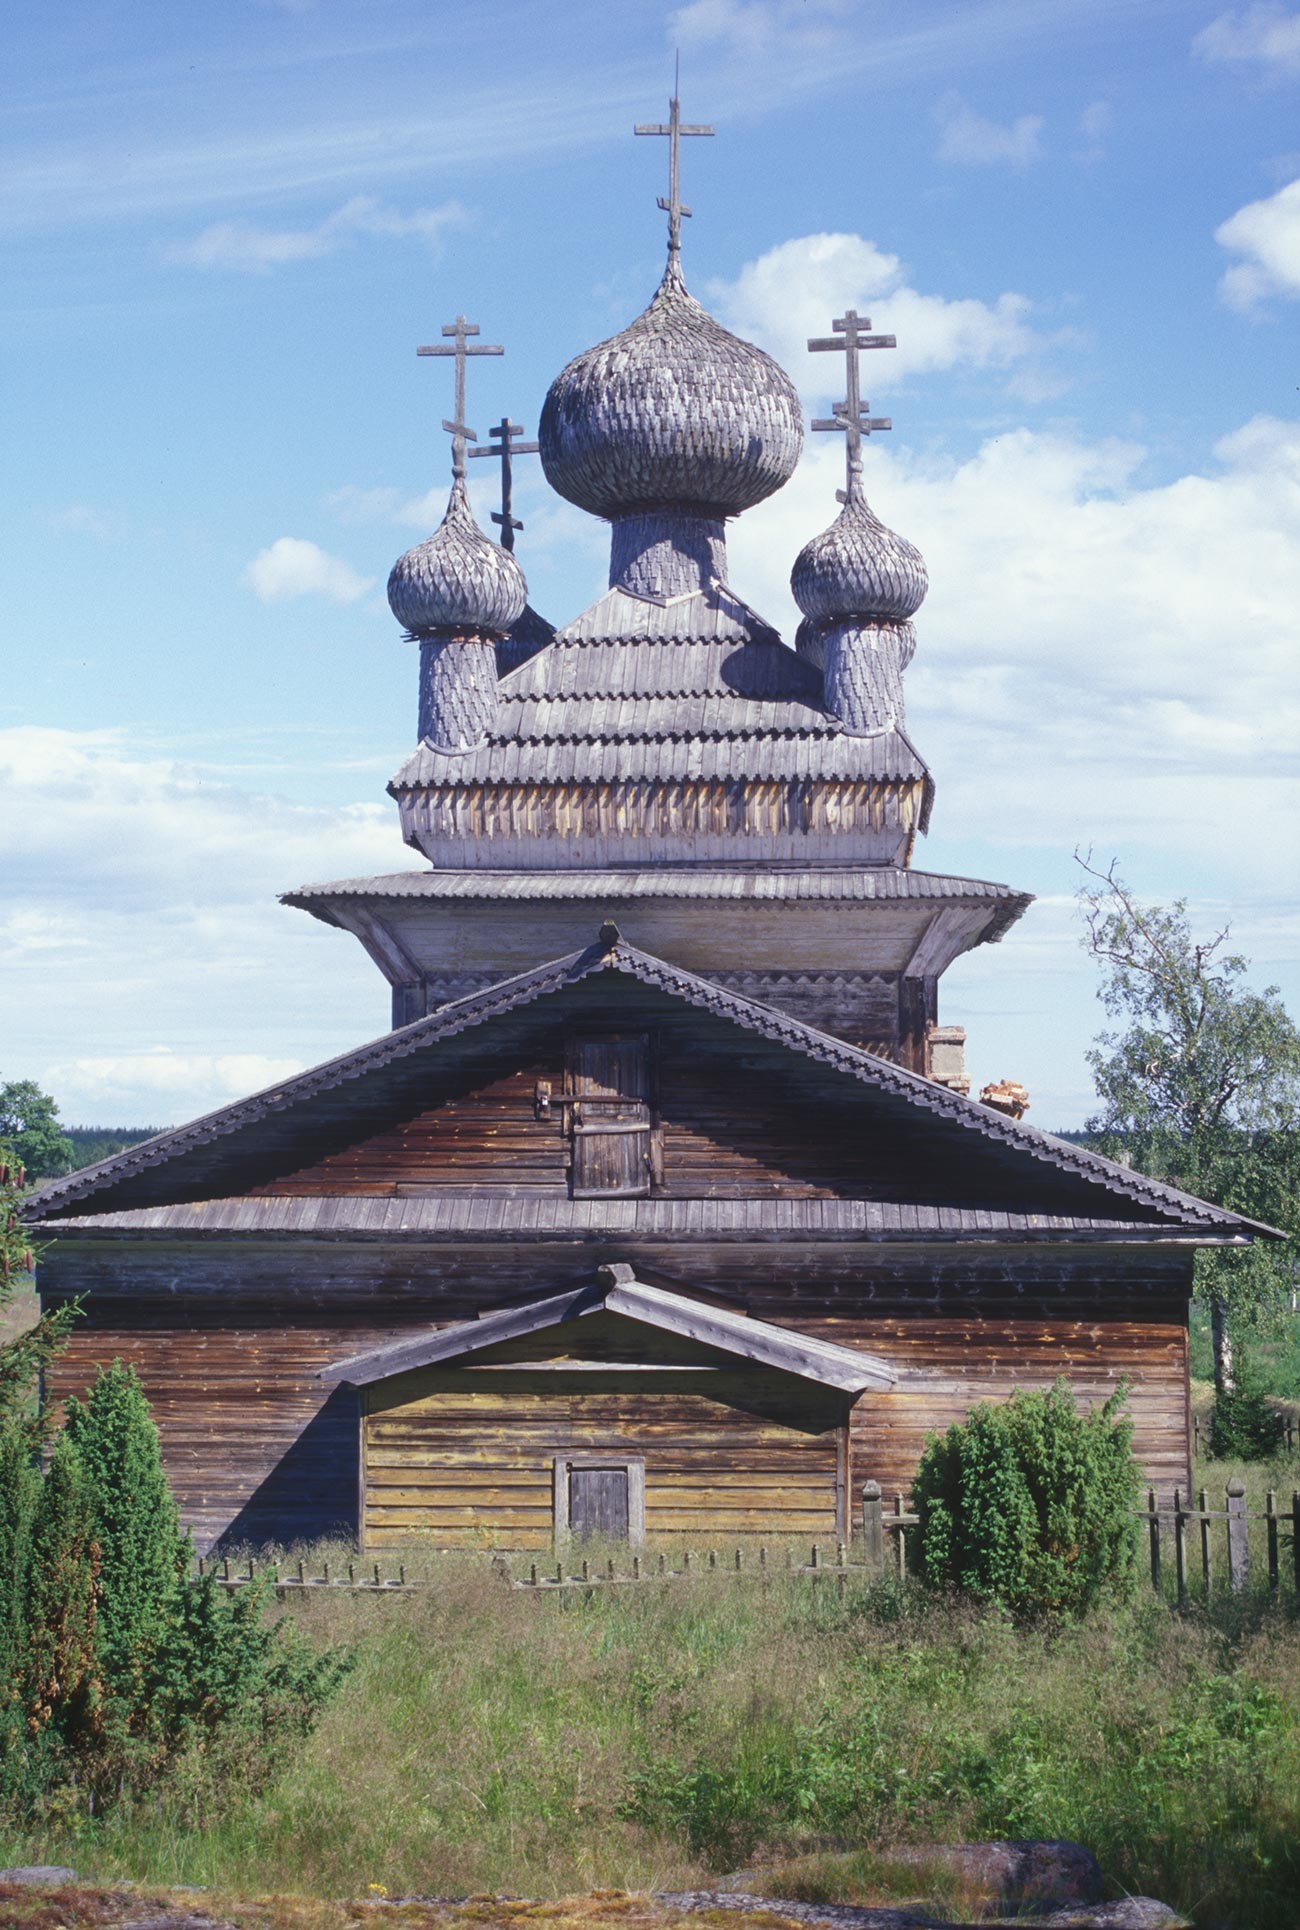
x: 505, y: 448
x: 674, y: 207
x: 460, y: 347
x: 853, y: 414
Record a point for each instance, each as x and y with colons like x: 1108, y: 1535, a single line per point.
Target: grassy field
x: 492, y: 1740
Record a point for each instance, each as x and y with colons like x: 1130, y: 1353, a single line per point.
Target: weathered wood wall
x: 735, y: 1117
x: 459, y: 1454
x: 781, y: 820
x: 228, y: 1337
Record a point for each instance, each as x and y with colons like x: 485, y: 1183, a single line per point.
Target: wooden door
x: 609, y: 1085
x: 598, y: 1503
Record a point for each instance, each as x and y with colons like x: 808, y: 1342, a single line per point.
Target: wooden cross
x: 853, y: 414
x: 460, y: 434
x: 505, y: 448
x: 674, y: 207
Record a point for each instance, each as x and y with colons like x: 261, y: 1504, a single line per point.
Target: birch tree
x: 1198, y: 1083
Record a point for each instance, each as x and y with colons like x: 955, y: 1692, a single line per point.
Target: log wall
x: 735, y: 1117
x: 228, y: 1338
x: 460, y: 1455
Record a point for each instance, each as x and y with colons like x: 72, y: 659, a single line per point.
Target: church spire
x: 458, y: 593
x: 858, y: 584
x: 675, y: 130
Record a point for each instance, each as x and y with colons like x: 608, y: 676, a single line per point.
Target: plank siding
x: 726, y: 1454
x: 228, y: 1337
x: 737, y: 1119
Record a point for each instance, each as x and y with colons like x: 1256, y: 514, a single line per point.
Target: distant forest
x: 93, y: 1143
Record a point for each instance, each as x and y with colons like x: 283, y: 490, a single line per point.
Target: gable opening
x: 608, y: 1103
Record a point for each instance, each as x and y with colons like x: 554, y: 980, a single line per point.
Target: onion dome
x: 673, y: 411
x: 458, y: 579
x: 858, y: 568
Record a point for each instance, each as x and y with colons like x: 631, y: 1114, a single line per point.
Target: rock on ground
x: 1043, y: 1874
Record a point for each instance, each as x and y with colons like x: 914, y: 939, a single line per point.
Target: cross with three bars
x: 460, y: 347
x: 853, y: 414
x: 505, y: 448
x: 674, y: 207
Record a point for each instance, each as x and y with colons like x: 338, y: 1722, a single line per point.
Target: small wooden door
x: 598, y: 1503
x: 609, y: 1085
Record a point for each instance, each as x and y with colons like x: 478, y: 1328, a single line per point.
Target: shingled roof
x: 698, y: 687
x: 611, y: 955
x: 875, y: 884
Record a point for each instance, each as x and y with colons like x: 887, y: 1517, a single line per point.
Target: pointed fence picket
x: 1191, y: 1548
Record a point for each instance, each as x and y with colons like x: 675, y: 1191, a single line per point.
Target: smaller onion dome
x: 674, y: 411
x: 458, y: 579
x: 858, y: 568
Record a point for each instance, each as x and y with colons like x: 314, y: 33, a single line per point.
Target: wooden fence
x: 1194, y: 1547
x: 1290, y: 1433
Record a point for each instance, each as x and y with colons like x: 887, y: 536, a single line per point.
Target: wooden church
x: 662, y: 1208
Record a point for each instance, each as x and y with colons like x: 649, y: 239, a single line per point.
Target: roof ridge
x: 477, y: 1008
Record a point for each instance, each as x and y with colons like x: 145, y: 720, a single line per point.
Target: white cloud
x: 791, y: 292
x: 248, y: 249
x: 1267, y: 234
x: 293, y: 567
x: 114, y: 1087
x: 141, y: 908
x: 1267, y: 37
x: 1101, y: 660
x: 967, y: 138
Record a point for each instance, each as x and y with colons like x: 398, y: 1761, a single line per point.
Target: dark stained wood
x: 598, y: 1502
x: 230, y: 1333
x: 607, y: 1079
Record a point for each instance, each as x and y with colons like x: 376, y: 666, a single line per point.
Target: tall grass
x: 494, y: 1739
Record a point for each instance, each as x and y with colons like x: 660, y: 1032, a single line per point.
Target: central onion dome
x: 458, y: 579
x: 858, y: 568
x: 674, y: 411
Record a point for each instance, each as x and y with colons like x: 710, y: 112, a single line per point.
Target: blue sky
x: 227, y: 229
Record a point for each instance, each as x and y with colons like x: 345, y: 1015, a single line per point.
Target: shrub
x: 60, y: 1666
x: 118, y: 1663
x: 143, y: 1555
x: 1031, y: 1504
x: 1243, y: 1427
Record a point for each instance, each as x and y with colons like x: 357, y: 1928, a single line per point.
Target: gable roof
x: 616, y: 1290
x: 612, y: 955
x: 697, y: 687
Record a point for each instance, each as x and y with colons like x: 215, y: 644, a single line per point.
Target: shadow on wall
x: 312, y: 1492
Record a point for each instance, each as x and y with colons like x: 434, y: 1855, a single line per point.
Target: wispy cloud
x: 974, y: 142
x: 1264, y: 37
x: 492, y: 121
x: 292, y: 567
x: 84, y: 519
x: 761, y: 28
x: 1267, y: 235
x: 246, y: 248
x: 381, y: 503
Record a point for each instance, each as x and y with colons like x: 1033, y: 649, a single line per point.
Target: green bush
x: 113, y: 1663
x: 143, y: 1555
x: 1243, y: 1427
x: 1031, y: 1504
